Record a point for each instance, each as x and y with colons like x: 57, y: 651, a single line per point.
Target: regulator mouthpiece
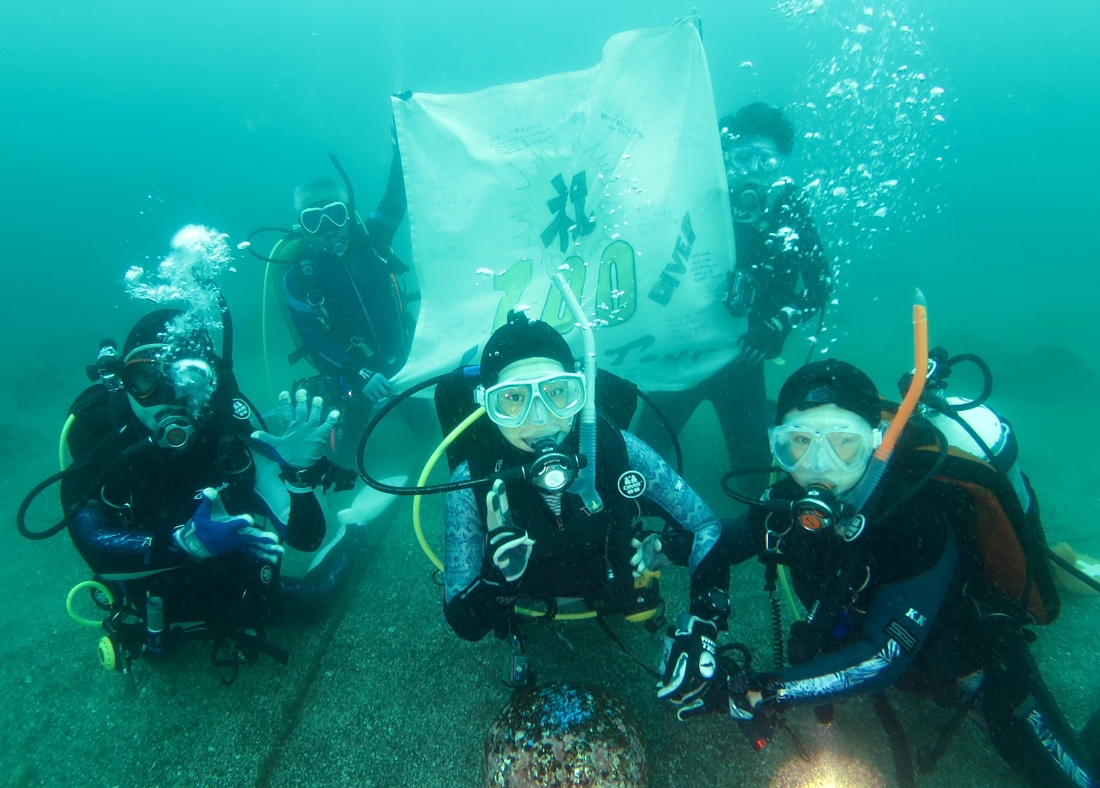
x: 553, y: 471
x: 818, y: 509
x: 174, y: 433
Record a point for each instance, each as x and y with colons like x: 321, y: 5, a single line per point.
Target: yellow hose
x: 87, y: 622
x: 263, y: 318
x: 417, y: 527
x: 63, y: 457
x: 263, y: 330
x: 524, y: 611
x: 785, y: 584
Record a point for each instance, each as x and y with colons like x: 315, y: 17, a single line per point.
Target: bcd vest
x: 575, y: 554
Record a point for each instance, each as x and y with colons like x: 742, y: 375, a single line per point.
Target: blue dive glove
x: 213, y: 532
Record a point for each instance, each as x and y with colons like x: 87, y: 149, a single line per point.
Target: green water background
x: 122, y: 121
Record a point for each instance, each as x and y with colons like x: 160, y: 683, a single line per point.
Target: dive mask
x: 822, y: 445
x: 744, y: 159
x: 750, y: 170
x: 151, y: 380
x: 508, y: 404
x: 311, y: 219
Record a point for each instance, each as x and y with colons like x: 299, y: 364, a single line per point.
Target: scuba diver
x: 342, y: 298
x: 527, y: 529
x: 923, y: 573
x: 172, y: 471
x: 781, y: 278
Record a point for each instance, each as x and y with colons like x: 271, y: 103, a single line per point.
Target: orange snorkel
x: 877, y: 467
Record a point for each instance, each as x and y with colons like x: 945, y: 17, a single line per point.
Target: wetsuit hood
x: 522, y: 338
x: 831, y: 381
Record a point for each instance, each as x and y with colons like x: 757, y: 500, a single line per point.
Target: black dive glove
x: 757, y: 723
x: 690, y: 666
x: 764, y: 339
x: 510, y: 545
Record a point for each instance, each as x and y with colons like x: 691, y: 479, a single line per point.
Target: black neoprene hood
x: 761, y: 120
x: 522, y: 338
x: 832, y: 381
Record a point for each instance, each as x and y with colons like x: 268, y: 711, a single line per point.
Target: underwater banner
x: 612, y: 176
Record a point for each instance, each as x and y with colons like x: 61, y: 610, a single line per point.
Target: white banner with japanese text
x: 612, y: 176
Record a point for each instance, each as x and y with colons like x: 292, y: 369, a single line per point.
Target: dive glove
x: 304, y: 435
x: 213, y: 532
x: 511, y: 545
x: 765, y: 338
x: 689, y: 665
x: 740, y: 707
x: 647, y: 555
x: 377, y: 387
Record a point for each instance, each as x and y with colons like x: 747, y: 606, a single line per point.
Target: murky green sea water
x: 121, y: 121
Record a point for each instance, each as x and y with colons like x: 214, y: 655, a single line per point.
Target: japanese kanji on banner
x: 612, y: 176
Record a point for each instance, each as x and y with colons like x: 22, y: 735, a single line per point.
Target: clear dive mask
x: 311, y: 219
x: 822, y: 445
x: 508, y: 404
x: 742, y: 160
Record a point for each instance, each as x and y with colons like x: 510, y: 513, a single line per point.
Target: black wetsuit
x: 130, y: 504
x: 781, y: 279
x: 922, y: 620
x: 347, y: 309
x: 575, y: 555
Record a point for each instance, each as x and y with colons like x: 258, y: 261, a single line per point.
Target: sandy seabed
x: 383, y: 694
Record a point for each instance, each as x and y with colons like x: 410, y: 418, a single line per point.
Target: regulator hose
x: 661, y: 417
x: 987, y: 379
x: 287, y: 233
x: 393, y: 402
x: 38, y: 489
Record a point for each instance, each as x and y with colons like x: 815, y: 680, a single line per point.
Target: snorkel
x: 821, y: 507
x: 585, y: 484
x: 347, y: 185
x: 877, y: 466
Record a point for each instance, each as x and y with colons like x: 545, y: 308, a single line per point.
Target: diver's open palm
x: 304, y: 435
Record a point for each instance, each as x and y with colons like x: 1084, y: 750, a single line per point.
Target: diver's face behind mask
x: 534, y: 399
x: 826, y: 445
x: 319, y: 218
x: 325, y: 224
x: 168, y: 397
x: 752, y: 166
